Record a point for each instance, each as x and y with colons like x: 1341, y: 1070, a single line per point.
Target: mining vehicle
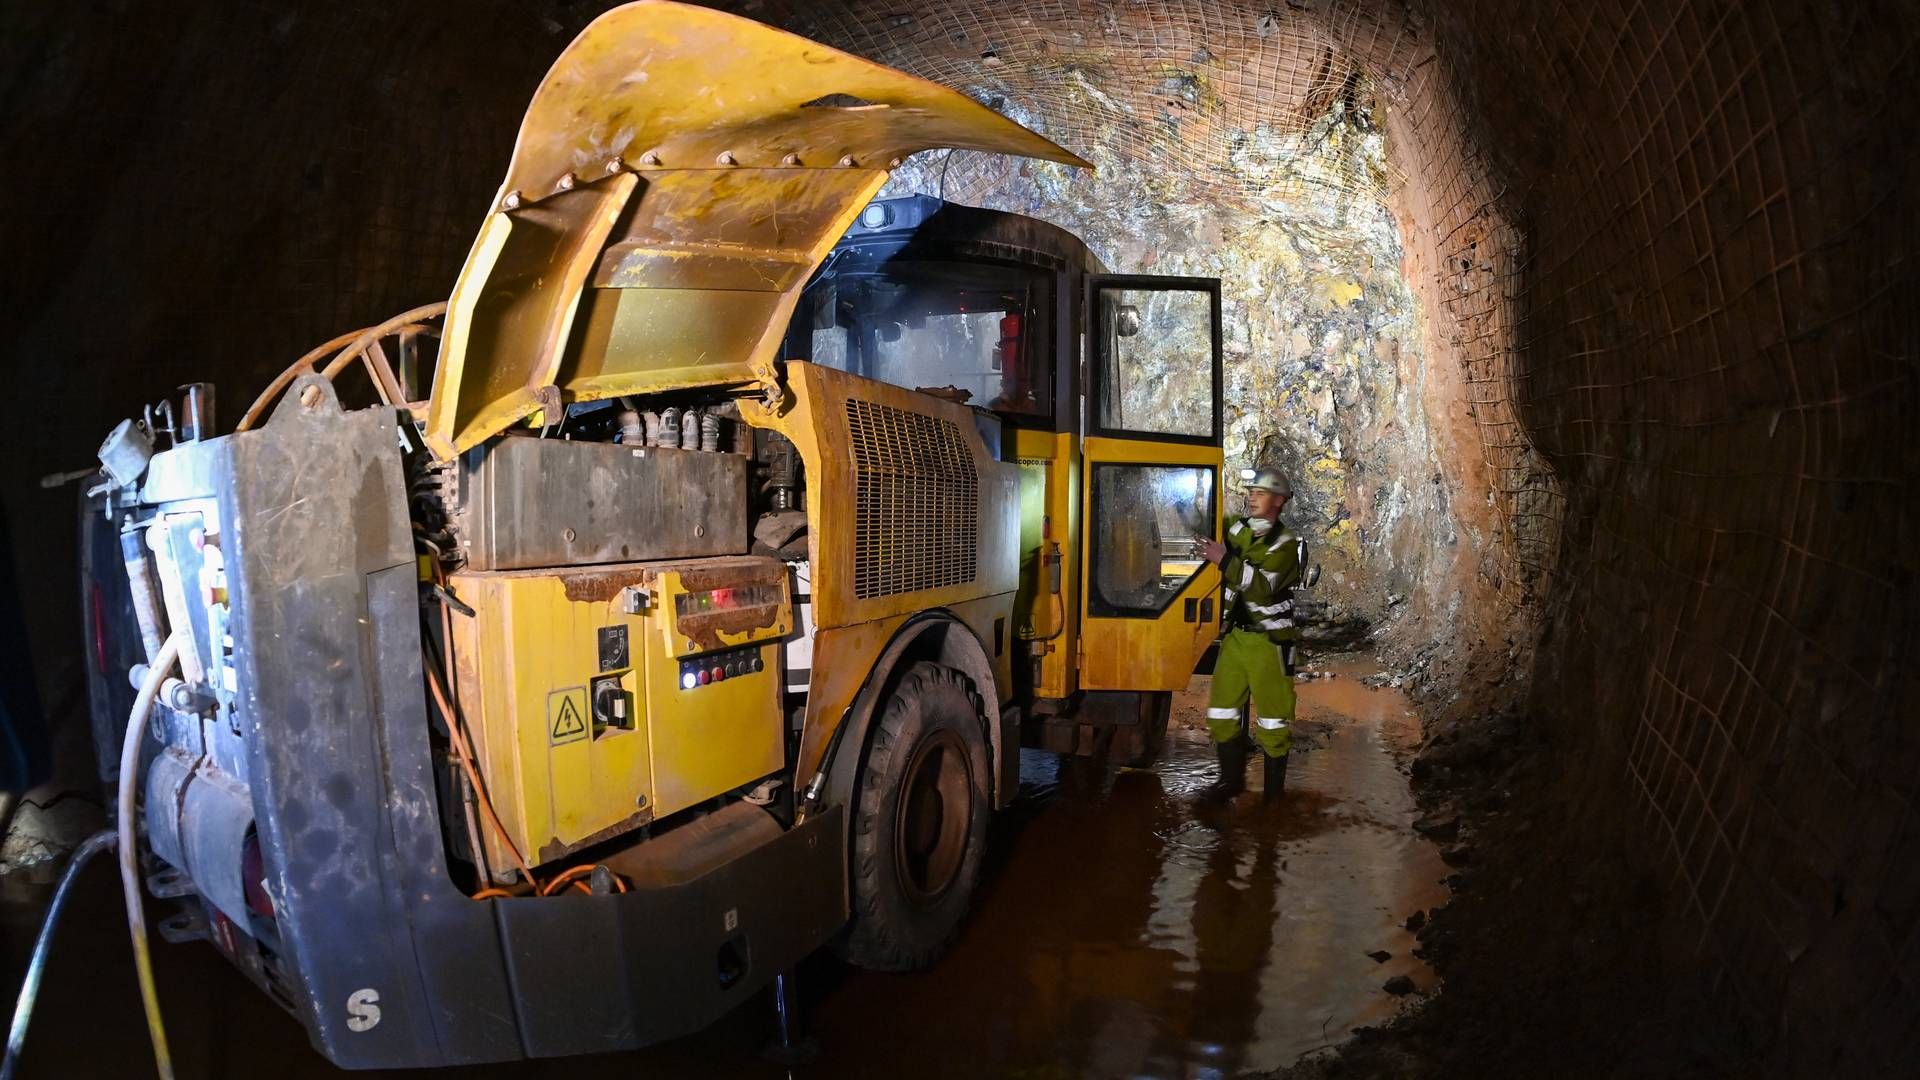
x: 559, y: 665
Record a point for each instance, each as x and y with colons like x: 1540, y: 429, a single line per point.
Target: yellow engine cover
x: 599, y: 699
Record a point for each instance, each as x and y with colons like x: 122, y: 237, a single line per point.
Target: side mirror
x: 1126, y: 320
x: 889, y: 332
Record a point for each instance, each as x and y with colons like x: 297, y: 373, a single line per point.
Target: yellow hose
x: 129, y: 854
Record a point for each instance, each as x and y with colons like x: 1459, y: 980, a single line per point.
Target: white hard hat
x: 1270, y: 479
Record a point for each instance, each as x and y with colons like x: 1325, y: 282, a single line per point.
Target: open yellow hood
x: 679, y: 175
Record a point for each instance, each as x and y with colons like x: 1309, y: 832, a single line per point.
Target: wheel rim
x: 934, y: 817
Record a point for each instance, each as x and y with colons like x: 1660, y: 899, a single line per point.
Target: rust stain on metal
x: 557, y: 848
x: 600, y: 586
x: 698, y: 577
x: 705, y: 630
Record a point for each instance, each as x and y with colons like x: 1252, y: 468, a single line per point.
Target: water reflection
x: 1123, y: 935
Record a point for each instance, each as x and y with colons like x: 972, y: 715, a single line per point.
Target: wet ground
x: 1119, y: 933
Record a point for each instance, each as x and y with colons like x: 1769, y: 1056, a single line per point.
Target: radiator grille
x: 917, y: 511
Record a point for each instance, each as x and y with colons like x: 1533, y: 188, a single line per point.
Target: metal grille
x: 917, y: 509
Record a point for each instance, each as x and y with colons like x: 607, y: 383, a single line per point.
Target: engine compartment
x: 609, y: 596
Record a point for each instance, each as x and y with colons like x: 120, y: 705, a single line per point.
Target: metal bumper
x: 614, y: 972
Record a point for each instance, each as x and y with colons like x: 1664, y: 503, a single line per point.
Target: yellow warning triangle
x: 568, y: 722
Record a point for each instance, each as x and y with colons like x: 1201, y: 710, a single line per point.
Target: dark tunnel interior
x: 1587, y: 329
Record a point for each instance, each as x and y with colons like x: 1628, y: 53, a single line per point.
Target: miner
x: 1260, y: 563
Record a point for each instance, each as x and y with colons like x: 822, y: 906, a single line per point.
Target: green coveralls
x: 1260, y: 574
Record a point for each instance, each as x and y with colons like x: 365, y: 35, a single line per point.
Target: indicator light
x: 688, y: 680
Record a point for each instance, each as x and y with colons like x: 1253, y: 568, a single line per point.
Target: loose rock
x: 1442, y: 824
x: 1486, y: 799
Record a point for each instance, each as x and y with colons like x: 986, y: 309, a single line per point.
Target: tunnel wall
x: 204, y: 192
x: 1715, y: 351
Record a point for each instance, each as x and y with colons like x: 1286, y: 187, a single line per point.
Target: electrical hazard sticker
x: 567, y: 715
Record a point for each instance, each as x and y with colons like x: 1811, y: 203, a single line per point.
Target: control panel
x: 699, y: 671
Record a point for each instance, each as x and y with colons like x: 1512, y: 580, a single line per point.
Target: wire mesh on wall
x: 1249, y: 105
x: 1238, y: 99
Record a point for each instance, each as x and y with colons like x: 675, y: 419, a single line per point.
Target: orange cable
x: 570, y: 875
x: 466, y: 762
x: 486, y: 804
x: 573, y: 876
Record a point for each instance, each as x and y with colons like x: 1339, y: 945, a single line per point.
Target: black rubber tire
x: 927, y: 759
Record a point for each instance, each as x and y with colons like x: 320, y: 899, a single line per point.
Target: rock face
x: 1324, y: 361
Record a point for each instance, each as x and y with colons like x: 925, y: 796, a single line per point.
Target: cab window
x: 1149, y: 522
x: 1156, y: 362
x: 981, y: 328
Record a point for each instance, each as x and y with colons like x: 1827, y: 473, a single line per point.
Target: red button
x: 718, y: 674
x: 705, y: 677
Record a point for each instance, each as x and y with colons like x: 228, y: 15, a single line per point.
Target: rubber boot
x: 1274, y: 781
x: 1233, y: 772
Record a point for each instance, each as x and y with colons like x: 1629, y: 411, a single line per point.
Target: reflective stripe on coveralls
x: 1251, y: 666
x: 1259, y: 571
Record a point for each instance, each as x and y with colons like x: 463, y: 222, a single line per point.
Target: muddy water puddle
x: 1125, y: 933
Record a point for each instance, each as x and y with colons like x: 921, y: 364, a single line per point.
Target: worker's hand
x: 1213, y: 551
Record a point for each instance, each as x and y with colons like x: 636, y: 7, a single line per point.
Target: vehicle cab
x: 1103, y: 389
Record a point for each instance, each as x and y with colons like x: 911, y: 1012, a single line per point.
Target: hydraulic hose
x: 130, y: 852
x: 30, y: 987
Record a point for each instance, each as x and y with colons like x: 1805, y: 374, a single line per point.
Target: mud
x: 1117, y: 933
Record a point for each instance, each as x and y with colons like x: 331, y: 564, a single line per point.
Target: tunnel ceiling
x: 1659, y: 259
x: 1245, y: 102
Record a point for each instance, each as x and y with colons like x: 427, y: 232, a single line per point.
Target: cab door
x: 1152, y: 480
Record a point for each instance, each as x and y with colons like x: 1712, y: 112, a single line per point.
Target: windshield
x: 980, y: 328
